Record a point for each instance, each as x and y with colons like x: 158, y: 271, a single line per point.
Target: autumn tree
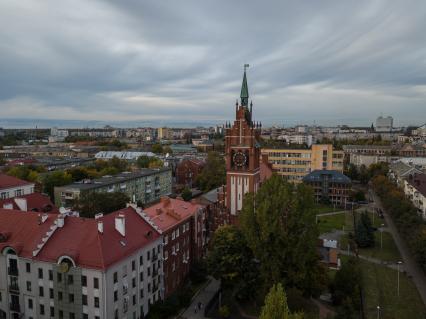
x: 213, y: 173
x: 93, y: 203
x: 54, y: 179
x: 276, y: 305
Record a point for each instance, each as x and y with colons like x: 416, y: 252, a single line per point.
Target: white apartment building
x: 13, y: 187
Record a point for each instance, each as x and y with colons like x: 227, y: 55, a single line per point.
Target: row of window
x: 18, y: 192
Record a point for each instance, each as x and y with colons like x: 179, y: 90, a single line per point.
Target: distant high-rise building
x: 163, y: 133
x: 384, y: 124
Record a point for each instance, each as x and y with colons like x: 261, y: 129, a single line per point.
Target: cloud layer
x: 328, y: 61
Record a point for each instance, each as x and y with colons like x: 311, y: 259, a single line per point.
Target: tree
x: 57, y: 178
x: 231, y: 261
x: 143, y: 161
x: 157, y: 149
x: 186, y: 194
x: 78, y: 173
x: 276, y: 305
x: 213, y: 173
x: 364, y: 233
x: 167, y: 150
x: 93, y: 203
x: 24, y: 172
x: 279, y: 226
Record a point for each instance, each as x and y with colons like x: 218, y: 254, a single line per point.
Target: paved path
x: 410, y: 265
x: 374, y: 260
x: 203, y: 296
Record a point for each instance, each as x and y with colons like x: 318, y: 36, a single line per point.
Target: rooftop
x: 7, y: 181
x: 35, y: 202
x: 418, y: 181
x: 333, y: 176
x: 170, y: 212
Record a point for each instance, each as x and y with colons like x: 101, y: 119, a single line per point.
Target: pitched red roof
x: 170, y: 212
x: 418, y: 181
x: 7, y: 181
x: 78, y: 238
x: 35, y: 202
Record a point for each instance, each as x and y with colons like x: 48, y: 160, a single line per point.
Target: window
x: 166, y: 255
x: 96, y: 302
x: 50, y: 275
x: 28, y: 285
x: 166, y: 239
x: 134, y: 300
x: 177, y: 246
x: 141, y: 276
x: 59, y: 277
x: 51, y: 293
x: 96, y: 283
x: 85, y: 316
x: 133, y: 265
x: 115, y: 295
x: 41, y: 291
x: 177, y: 232
x: 60, y: 295
x: 71, y: 298
x: 84, y: 300
x: 141, y: 293
x: 28, y: 267
x: 52, y: 312
x: 4, y: 195
x: 42, y: 309
x: 133, y: 282
x: 173, y: 235
x: 83, y: 281
x: 72, y: 316
x: 115, y: 277
x: 40, y: 273
x: 30, y: 303
x: 18, y: 192
x: 148, y: 255
x: 141, y: 260
x: 149, y: 271
x: 61, y: 314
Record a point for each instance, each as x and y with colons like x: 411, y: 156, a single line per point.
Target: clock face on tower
x: 239, y: 159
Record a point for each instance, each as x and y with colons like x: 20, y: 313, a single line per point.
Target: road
x: 410, y: 265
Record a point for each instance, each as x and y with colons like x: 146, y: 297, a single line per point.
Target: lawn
x: 322, y: 209
x: 329, y: 223
x: 389, y: 252
x: 380, y: 289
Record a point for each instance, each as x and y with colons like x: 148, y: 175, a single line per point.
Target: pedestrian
x: 195, y: 309
x: 199, y: 305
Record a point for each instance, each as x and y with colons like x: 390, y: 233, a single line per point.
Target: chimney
x: 99, y: 215
x: 120, y: 224
x: 43, y: 218
x: 60, y: 221
x: 100, y: 227
x: 22, y: 204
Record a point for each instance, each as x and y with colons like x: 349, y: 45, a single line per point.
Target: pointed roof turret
x: 244, y: 89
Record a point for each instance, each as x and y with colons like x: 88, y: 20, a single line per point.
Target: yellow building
x: 294, y: 164
x: 163, y: 133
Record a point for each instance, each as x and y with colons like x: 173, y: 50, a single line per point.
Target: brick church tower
x: 242, y: 153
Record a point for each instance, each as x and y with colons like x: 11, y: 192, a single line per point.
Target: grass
x: 380, y: 289
x: 322, y: 209
x: 329, y: 223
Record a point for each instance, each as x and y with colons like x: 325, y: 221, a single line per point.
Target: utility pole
x: 399, y: 263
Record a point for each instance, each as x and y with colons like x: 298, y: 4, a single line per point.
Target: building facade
x: 294, y: 164
x: 14, y: 187
x: 187, y: 171
x: 144, y: 186
x: 329, y: 187
x: 54, y: 266
x: 183, y: 227
x: 415, y: 190
x: 242, y: 150
x: 384, y: 124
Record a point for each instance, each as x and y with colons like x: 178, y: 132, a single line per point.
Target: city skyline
x: 165, y: 64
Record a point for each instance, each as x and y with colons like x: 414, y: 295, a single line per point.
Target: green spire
x: 244, y: 90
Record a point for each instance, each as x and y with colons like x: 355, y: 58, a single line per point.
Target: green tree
x: 24, y: 172
x: 231, y: 261
x: 167, y: 150
x: 91, y: 204
x: 78, y: 173
x: 57, y: 178
x: 213, y: 173
x: 364, y: 233
x: 279, y: 225
x: 157, y: 149
x: 143, y: 161
x: 276, y: 305
x: 186, y: 194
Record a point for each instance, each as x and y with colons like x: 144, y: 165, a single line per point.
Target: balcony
x: 15, y: 307
x: 14, y: 288
x: 12, y: 271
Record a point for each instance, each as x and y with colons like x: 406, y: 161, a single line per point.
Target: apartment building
x: 415, y: 190
x: 329, y: 187
x: 187, y: 171
x: 56, y: 266
x: 35, y: 202
x: 145, y: 186
x: 182, y: 225
x: 13, y: 187
x: 294, y: 164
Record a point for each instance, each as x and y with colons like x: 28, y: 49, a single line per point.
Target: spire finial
x: 244, y: 88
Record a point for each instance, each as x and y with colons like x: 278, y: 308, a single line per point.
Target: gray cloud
x: 328, y: 61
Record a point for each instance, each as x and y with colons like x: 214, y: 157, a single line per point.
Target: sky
x: 166, y: 62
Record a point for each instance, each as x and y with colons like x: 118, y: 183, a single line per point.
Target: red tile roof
x: 35, y: 202
x: 78, y: 238
x: 418, y: 181
x: 170, y: 212
x: 7, y: 181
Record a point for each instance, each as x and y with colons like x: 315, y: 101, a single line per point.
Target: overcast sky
x: 332, y: 61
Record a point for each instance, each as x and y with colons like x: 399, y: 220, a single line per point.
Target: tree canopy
x: 364, y: 232
x: 213, y: 173
x: 94, y: 203
x: 56, y: 178
x: 276, y: 305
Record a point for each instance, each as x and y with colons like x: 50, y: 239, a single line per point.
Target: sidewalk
x: 204, y: 296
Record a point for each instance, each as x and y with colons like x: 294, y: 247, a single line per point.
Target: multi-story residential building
x: 127, y: 155
x: 329, y: 186
x: 400, y: 171
x: 164, y: 133
x: 415, y: 190
x: 384, y: 124
x: 296, y: 139
x: 182, y: 225
x: 54, y: 266
x: 144, y: 186
x: 187, y: 171
x: 13, y: 187
x: 294, y: 164
x: 420, y: 131
x: 412, y: 150
x: 380, y: 150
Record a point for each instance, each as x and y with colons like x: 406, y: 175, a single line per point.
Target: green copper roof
x: 244, y: 91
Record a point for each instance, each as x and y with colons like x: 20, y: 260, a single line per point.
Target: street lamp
x: 398, y: 264
x: 381, y: 236
x: 378, y: 312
